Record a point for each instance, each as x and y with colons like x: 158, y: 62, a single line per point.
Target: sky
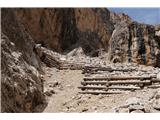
x: 142, y: 15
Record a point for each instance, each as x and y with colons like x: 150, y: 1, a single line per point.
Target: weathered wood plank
x: 125, y: 87
x: 117, y: 78
x: 154, y: 86
x: 111, y: 87
x: 116, y: 82
x: 100, y: 92
x: 92, y: 87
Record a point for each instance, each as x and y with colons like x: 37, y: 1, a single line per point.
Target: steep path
x: 67, y: 99
x: 66, y: 83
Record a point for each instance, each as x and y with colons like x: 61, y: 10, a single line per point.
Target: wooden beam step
x: 130, y: 82
x: 116, y: 82
x: 91, y: 68
x: 154, y: 86
x: 155, y: 80
x: 100, y: 92
x: 92, y: 87
x: 125, y: 87
x: 111, y: 87
x: 117, y: 78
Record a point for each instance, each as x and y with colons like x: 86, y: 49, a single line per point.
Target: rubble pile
x: 147, y: 103
x: 22, y: 88
x: 75, y: 59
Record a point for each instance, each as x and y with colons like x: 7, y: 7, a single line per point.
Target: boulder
x: 158, y: 76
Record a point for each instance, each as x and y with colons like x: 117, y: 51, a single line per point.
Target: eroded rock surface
x: 134, y: 42
x: 65, y: 29
x: 148, y: 103
x: 21, y: 85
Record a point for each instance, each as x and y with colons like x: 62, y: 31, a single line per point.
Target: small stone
x: 73, y: 97
x: 84, y: 109
x: 158, y: 76
x: 15, y: 69
x: 52, y: 91
x: 68, y: 85
x: 157, y: 96
x: 124, y: 110
x: 156, y: 104
x: 133, y: 101
x: 136, y: 107
x: 94, y: 108
x: 137, y: 111
x: 148, y: 108
x: 48, y: 93
x: 55, y: 83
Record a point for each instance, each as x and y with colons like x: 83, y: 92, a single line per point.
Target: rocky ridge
x: 21, y: 83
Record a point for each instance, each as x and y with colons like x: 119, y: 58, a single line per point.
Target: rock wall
x: 64, y: 29
x: 21, y: 85
x: 135, y: 42
x: 117, y: 18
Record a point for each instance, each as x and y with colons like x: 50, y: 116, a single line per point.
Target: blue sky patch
x: 142, y: 15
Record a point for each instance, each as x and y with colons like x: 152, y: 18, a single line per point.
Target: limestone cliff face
x: 145, y: 47
x: 117, y: 18
x: 94, y: 28
x: 65, y: 29
x: 21, y: 85
x: 135, y: 42
x: 44, y: 25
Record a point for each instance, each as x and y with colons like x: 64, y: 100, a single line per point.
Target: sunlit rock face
x: 146, y: 44
x: 92, y: 29
x: 21, y: 85
x: 65, y: 29
x: 136, y: 43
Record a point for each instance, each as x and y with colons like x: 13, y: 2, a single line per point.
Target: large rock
x: 158, y: 76
x: 156, y: 104
x: 65, y: 29
x: 21, y: 85
x: 135, y: 42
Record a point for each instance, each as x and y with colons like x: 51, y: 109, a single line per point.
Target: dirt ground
x: 65, y: 97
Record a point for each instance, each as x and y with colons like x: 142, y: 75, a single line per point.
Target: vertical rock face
x: 144, y: 44
x: 118, y: 44
x: 118, y: 18
x: 65, y: 29
x: 134, y: 42
x: 44, y: 25
x: 94, y: 28
x: 21, y: 86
